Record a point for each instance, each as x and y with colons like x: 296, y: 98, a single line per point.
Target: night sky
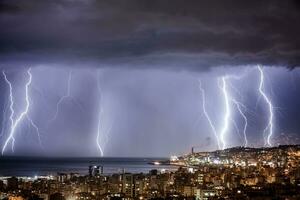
x: 135, y: 66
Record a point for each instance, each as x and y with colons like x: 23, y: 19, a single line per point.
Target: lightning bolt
x: 227, y: 115
x: 98, y: 138
x: 64, y: 98
x: 99, y: 119
x: 11, y: 108
x: 207, y: 116
x: 228, y: 99
x: 239, y: 107
x: 227, y: 119
x: 269, y: 126
x: 102, y: 131
x: 23, y: 115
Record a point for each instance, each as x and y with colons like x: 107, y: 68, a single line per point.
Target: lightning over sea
x: 16, y: 120
x: 104, y: 125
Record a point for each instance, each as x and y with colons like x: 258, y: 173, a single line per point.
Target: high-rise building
x: 12, y: 183
x: 127, y: 184
x: 95, y: 170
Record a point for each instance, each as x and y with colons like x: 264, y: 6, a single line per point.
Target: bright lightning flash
x: 227, y: 113
x: 23, y: 115
x: 269, y: 127
x: 102, y: 132
x: 228, y: 99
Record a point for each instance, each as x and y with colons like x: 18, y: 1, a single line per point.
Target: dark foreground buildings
x: 236, y: 173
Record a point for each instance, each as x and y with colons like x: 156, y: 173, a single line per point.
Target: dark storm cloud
x: 194, y: 34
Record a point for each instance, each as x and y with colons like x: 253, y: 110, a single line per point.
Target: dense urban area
x: 236, y: 173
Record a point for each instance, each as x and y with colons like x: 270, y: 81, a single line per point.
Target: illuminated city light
x: 174, y: 158
x: 156, y: 163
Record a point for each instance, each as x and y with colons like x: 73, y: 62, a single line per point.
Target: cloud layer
x: 142, y: 34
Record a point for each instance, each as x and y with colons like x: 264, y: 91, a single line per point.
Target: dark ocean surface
x: 33, y: 166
